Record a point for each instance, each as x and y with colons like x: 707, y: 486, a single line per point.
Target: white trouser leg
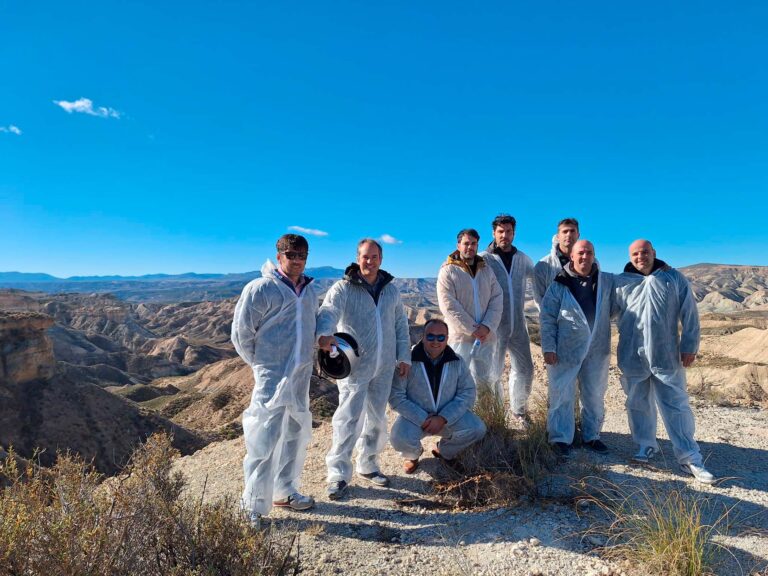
x: 406, y: 438
x: 347, y: 424
x: 562, y: 397
x: 374, y: 436
x: 297, y: 432
x: 641, y: 411
x: 461, y: 434
x: 593, y: 383
x: 676, y: 412
x: 520, y: 371
x: 262, y: 430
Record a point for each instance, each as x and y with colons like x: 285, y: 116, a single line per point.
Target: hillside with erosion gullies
x: 45, y: 409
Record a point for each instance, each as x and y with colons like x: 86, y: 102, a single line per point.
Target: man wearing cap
x: 434, y: 399
x: 658, y: 339
x: 366, y: 305
x: 471, y: 302
x: 273, y: 332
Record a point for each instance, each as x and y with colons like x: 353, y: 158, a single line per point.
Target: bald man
x: 654, y: 300
x: 576, y: 342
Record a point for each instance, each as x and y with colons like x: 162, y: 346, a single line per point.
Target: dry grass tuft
x: 64, y: 520
x: 667, y: 532
x: 506, y: 464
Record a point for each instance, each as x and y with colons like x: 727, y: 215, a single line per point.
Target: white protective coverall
x: 583, y: 356
x: 273, y: 331
x: 513, y: 330
x: 381, y: 332
x: 465, y: 302
x: 651, y: 308
x: 413, y: 400
x: 545, y: 271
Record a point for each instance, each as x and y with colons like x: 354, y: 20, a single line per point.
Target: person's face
x: 567, y: 235
x: 293, y: 261
x: 582, y: 257
x: 467, y: 247
x: 642, y: 256
x: 369, y: 260
x: 432, y: 344
x: 503, y: 235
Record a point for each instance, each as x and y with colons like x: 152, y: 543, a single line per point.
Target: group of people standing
x: 433, y: 385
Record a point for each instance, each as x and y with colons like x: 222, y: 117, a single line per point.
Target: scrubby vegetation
x: 67, y: 520
x: 667, y: 532
x: 507, y: 464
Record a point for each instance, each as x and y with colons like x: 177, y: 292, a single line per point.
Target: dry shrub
x: 506, y: 464
x: 64, y: 520
x: 667, y: 532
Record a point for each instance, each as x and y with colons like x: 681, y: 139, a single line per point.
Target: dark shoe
x: 577, y: 438
x: 337, y: 490
x: 562, y: 449
x: 596, y: 445
x: 375, y: 478
x: 410, y: 466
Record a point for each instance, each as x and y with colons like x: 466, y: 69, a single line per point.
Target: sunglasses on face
x: 438, y: 337
x: 295, y: 255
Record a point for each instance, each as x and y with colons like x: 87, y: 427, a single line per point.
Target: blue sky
x: 214, y: 127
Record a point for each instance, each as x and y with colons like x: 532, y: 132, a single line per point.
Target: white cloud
x: 388, y: 239
x: 85, y: 106
x: 11, y: 129
x: 310, y: 231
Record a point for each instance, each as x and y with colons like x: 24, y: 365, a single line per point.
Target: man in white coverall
x: 550, y: 266
x: 273, y: 332
x: 654, y: 299
x: 472, y: 303
x: 512, y: 269
x: 576, y: 342
x: 366, y: 305
x: 435, y: 399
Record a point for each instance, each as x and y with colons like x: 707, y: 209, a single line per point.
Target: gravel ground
x: 368, y: 533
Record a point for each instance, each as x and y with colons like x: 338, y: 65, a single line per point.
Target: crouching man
x: 434, y: 399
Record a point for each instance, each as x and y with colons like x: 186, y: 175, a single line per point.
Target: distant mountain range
x: 718, y: 287
x: 8, y: 278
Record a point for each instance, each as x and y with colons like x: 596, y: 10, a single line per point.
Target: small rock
x: 534, y: 542
x: 596, y: 540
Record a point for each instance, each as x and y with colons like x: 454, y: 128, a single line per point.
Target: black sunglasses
x: 438, y: 337
x: 295, y: 255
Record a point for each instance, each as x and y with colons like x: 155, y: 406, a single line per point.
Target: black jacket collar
x: 352, y: 275
x: 657, y: 265
x: 418, y: 354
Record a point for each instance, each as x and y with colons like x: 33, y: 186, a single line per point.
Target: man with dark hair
x: 434, y: 399
x: 576, y: 342
x: 512, y: 269
x: 550, y: 265
x: 658, y: 339
x: 471, y: 302
x: 366, y: 305
x: 273, y: 331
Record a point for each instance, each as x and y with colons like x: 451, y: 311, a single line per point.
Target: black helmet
x: 345, y: 359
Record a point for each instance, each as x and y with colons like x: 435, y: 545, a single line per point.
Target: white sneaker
x: 699, y: 472
x: 644, y: 455
x: 295, y: 501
